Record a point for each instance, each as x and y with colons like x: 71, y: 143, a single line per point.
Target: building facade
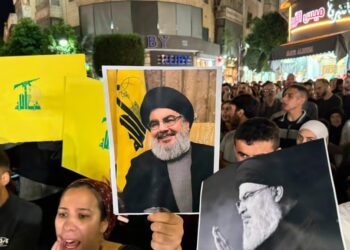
x: 176, y: 33
x: 319, y: 40
x: 233, y: 24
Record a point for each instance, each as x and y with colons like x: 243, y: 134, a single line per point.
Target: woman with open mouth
x: 85, y: 219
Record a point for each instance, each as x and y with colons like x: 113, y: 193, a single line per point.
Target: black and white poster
x: 282, y: 200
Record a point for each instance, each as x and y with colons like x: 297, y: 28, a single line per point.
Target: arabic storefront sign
x: 336, y: 12
x: 315, y: 11
x: 313, y: 15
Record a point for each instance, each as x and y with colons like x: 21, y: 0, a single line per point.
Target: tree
x: 267, y: 33
x: 26, y: 39
x: 60, y: 38
x: 117, y: 49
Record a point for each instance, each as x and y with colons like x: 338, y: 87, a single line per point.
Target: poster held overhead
x: 162, y: 125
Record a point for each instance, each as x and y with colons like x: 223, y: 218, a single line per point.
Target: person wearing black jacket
x: 20, y: 221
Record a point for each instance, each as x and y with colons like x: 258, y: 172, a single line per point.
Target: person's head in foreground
x: 168, y: 115
x: 85, y: 219
x: 84, y: 216
x: 256, y: 136
x: 262, y: 199
x: 312, y: 130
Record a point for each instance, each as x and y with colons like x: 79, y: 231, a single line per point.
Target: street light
x: 63, y: 42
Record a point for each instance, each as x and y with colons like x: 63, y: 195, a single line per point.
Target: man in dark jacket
x: 19, y: 220
x: 289, y: 123
x: 170, y: 174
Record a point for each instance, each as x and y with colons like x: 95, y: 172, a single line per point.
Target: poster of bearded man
x: 163, y: 125
x: 281, y: 200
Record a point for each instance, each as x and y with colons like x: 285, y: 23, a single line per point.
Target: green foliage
x: 60, y: 38
x: 117, y: 49
x: 267, y: 33
x: 26, y: 39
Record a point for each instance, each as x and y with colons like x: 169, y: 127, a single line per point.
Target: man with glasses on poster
x: 272, y: 215
x: 167, y: 177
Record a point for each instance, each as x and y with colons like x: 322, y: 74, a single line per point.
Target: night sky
x: 6, y: 7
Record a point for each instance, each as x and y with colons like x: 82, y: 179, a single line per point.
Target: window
x: 205, y: 34
x: 55, y: 2
x: 183, y: 19
x: 196, y: 20
x: 249, y: 19
x: 167, y: 18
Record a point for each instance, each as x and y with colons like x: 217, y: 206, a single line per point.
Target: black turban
x: 261, y: 170
x: 165, y: 97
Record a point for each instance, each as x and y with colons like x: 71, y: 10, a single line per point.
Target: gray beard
x: 171, y: 152
x: 261, y: 226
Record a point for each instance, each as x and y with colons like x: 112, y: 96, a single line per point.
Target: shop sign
x: 171, y: 59
x: 300, y: 51
x: 305, y: 18
x: 335, y: 13
x: 157, y: 41
x: 329, y: 10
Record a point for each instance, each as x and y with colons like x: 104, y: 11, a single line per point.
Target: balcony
x: 230, y: 14
x: 46, y: 9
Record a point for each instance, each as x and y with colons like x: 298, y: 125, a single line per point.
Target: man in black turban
x: 261, y: 188
x: 269, y: 205
x: 170, y: 174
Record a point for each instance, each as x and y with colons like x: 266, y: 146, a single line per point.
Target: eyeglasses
x: 168, y: 121
x: 249, y: 195
x: 268, y: 91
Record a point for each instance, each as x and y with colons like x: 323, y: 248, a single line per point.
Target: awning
x: 339, y: 43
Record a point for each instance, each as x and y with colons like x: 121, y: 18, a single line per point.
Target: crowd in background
x: 326, y: 101
x: 293, y: 106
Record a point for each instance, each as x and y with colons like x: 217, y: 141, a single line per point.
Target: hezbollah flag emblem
x: 126, y: 88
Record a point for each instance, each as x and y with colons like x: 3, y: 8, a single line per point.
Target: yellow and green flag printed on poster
x: 85, y: 136
x: 31, y: 96
x: 126, y: 89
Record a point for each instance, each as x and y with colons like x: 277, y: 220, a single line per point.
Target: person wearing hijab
x: 312, y: 130
x: 85, y: 219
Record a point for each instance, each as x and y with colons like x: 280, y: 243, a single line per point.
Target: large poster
x: 282, y: 200
x: 162, y: 132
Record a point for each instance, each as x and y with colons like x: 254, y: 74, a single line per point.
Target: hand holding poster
x: 155, y: 135
x: 282, y: 200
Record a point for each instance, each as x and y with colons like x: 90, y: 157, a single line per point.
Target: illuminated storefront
x: 319, y: 40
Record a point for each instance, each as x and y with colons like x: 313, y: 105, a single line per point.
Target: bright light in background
x: 63, y: 42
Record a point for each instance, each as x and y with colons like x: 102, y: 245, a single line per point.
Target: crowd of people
x: 256, y: 118
x: 320, y: 106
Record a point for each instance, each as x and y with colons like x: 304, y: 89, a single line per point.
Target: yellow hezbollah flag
x: 126, y: 90
x: 85, y: 136
x: 31, y: 95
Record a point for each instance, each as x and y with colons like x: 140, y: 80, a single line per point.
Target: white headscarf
x: 316, y: 127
